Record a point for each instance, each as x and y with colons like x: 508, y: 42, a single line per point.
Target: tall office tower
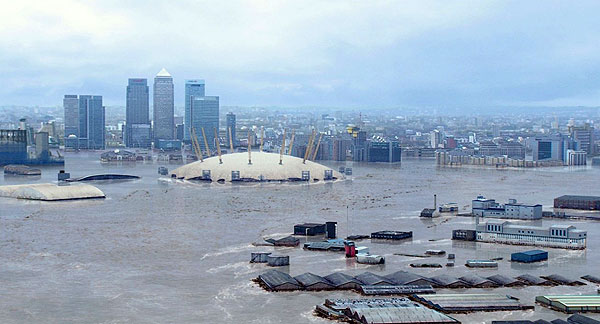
x: 137, y: 118
x: 231, y: 125
x: 164, y: 123
x: 71, y: 107
x: 436, y: 138
x: 193, y: 88
x: 584, y: 135
x: 91, y: 123
x: 204, y: 113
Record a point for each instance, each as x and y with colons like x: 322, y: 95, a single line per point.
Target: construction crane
x: 282, y: 148
x: 314, y: 157
x: 249, y: 149
x: 195, y: 144
x: 218, y: 145
x: 230, y: 140
x: 292, y: 142
x: 309, y: 147
x: 205, y: 142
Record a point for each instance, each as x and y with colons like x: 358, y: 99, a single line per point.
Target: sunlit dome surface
x: 264, y: 167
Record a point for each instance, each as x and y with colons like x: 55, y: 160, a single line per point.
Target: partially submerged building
x: 532, y: 280
x: 556, y: 236
x: 381, y: 310
x: 577, y: 202
x: 463, y: 303
x: 561, y: 280
x: 478, y: 282
x: 343, y: 281
x: 571, y: 303
x: 512, y: 210
x: 504, y: 281
x: 408, y: 278
x: 311, y: 281
x: 51, y: 192
x: 255, y: 167
x: 371, y: 279
x: 529, y: 256
x: 447, y: 281
x: 278, y: 281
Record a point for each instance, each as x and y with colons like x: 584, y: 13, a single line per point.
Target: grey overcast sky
x: 300, y: 53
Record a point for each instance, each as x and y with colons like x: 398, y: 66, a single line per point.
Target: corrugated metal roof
x: 308, y: 279
x: 445, y: 280
x: 475, y: 280
x: 404, y: 277
x: 369, y: 278
x: 575, y: 197
x: 591, y: 278
x: 503, y: 280
x: 339, y: 278
x: 533, y: 280
x: 275, y: 278
x: 563, y: 280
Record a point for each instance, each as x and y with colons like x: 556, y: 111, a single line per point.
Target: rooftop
x: 263, y: 166
x: 576, y: 197
x: 163, y: 73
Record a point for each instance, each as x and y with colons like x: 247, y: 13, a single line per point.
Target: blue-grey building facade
x: 71, y: 118
x: 137, y: 115
x: 95, y: 125
x: 231, y: 124
x: 193, y: 88
x: 84, y: 122
x: 204, y: 114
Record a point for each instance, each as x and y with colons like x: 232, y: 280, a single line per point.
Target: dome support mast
x: 282, y: 148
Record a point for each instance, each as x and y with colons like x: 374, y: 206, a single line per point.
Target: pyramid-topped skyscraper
x: 164, y: 124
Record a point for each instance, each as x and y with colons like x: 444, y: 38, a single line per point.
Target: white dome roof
x: 265, y: 166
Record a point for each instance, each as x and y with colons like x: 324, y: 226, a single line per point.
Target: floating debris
x: 425, y: 265
x: 435, y: 252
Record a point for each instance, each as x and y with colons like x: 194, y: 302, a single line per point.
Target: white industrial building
x: 556, y: 236
x: 512, y: 210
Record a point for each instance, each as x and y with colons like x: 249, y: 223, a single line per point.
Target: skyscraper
x: 84, y: 122
x: 193, y: 88
x: 71, y: 106
x: 163, y: 106
x: 204, y: 113
x: 91, y: 123
x: 137, y: 119
x: 231, y: 125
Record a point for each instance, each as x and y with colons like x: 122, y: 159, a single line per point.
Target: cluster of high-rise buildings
x: 85, y: 116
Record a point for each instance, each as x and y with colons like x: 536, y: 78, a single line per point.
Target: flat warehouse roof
x: 575, y: 197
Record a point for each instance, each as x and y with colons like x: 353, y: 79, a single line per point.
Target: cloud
x: 342, y: 53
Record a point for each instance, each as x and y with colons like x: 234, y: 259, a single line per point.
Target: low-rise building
x: 577, y: 202
x: 512, y: 210
x: 557, y: 236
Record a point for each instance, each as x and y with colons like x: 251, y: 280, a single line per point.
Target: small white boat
x: 370, y: 258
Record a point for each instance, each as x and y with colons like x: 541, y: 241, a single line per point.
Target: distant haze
x: 298, y: 53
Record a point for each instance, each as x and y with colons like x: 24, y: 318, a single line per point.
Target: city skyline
x: 382, y: 54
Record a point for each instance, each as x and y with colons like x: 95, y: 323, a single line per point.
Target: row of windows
x: 529, y: 238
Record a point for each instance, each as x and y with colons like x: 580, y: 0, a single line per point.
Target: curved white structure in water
x: 263, y: 167
x: 51, y: 192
